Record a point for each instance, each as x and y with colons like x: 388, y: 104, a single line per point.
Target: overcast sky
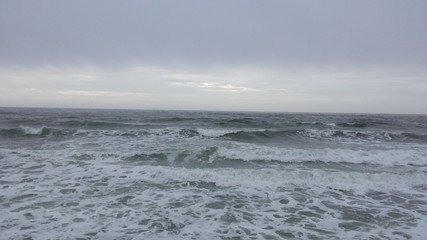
x: 289, y: 56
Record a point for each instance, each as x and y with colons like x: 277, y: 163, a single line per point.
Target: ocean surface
x: 128, y: 174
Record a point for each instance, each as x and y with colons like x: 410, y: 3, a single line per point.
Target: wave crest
x: 325, y: 134
x: 26, y: 131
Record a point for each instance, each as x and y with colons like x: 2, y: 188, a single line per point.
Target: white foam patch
x: 31, y: 130
x: 351, y: 136
x: 261, y: 178
x: 84, y: 188
x: 48, y: 194
x: 217, y: 132
x: 270, y: 178
x: 387, y: 157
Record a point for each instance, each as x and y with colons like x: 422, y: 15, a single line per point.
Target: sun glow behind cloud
x: 213, y: 87
x: 220, y: 88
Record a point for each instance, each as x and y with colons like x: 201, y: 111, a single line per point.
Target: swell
x: 259, y: 135
x: 253, y: 136
x: 234, y: 122
x: 175, y: 119
x: 27, y: 131
x: 366, y: 136
x: 244, y: 122
x: 354, y: 124
x: 347, y: 124
x: 252, y: 157
x: 100, y: 125
x: 319, y: 134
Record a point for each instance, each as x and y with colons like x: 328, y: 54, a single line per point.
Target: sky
x: 365, y: 56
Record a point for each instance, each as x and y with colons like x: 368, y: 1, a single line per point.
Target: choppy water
x: 115, y: 174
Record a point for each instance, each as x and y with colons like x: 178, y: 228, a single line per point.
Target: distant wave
x: 258, y: 135
x: 353, y: 124
x: 84, y: 130
x: 76, y: 128
x: 327, y: 134
x: 239, y: 121
x: 175, y: 119
x: 340, y: 135
x: 244, y: 122
x: 26, y: 131
x: 98, y: 125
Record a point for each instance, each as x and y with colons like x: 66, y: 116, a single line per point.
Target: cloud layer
x: 214, y: 32
x: 358, y: 56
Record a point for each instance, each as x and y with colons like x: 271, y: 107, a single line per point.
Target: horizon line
x: 230, y: 111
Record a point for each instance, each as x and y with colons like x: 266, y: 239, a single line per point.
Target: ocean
x: 134, y: 174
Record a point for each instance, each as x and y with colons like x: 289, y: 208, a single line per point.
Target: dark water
x: 121, y: 174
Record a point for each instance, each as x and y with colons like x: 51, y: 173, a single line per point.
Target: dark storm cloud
x: 214, y: 32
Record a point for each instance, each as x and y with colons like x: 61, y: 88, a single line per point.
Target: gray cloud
x: 276, y: 55
x: 214, y: 32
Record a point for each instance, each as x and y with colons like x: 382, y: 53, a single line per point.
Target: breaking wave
x: 248, y: 156
x: 26, y: 131
x: 113, y: 174
x: 99, y: 125
x: 362, y: 136
x: 353, y: 124
x: 231, y: 134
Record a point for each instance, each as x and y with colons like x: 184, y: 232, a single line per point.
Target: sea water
x: 127, y: 174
